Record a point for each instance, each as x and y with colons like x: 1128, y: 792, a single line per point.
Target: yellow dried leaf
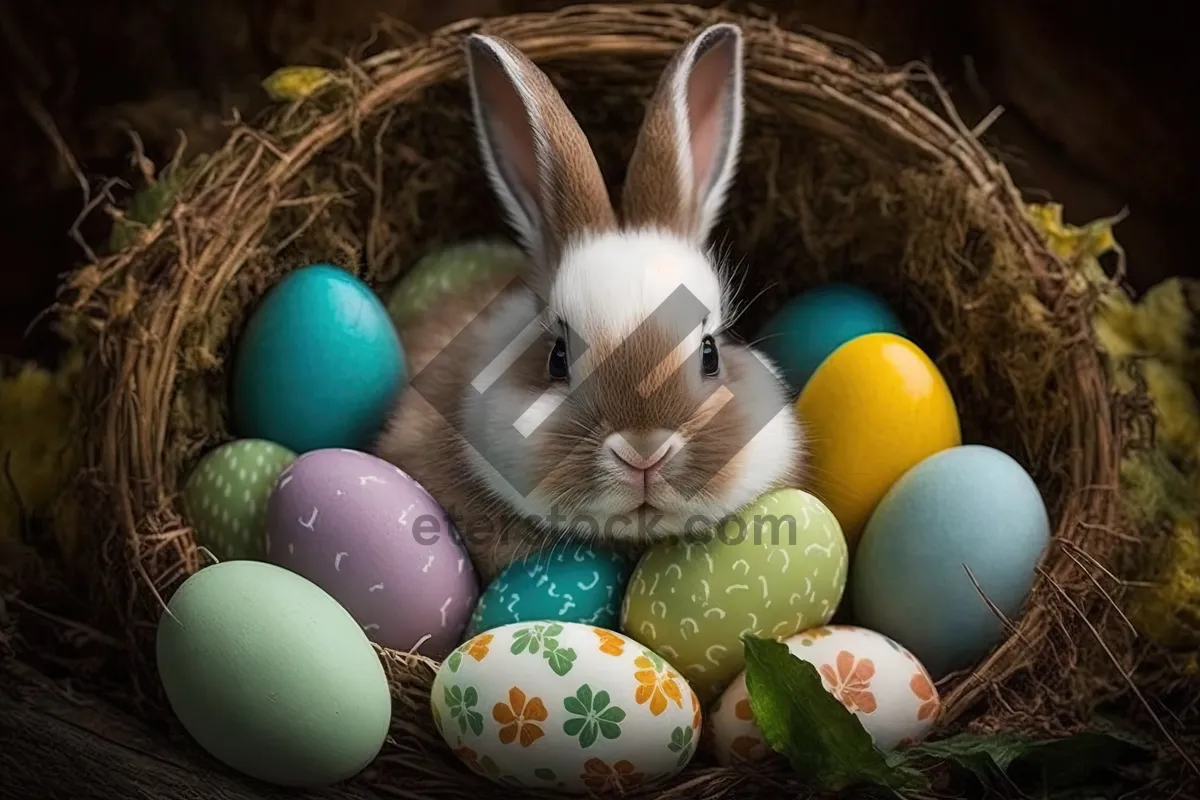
x: 1072, y: 242
x: 287, y: 84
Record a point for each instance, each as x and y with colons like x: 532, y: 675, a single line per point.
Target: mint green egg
x: 271, y: 676
x: 448, y: 270
x: 225, y: 497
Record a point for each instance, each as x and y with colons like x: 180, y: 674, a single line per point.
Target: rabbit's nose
x: 643, y: 450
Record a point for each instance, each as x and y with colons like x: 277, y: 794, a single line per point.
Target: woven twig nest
x: 845, y: 174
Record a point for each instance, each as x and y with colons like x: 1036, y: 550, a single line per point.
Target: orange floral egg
x: 566, y: 707
x: 876, y: 679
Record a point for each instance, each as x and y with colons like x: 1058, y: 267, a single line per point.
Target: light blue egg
x: 970, y: 505
x: 811, y: 326
x: 565, y: 584
x: 319, y: 364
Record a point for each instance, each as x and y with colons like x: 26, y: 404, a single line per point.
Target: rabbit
x: 604, y: 412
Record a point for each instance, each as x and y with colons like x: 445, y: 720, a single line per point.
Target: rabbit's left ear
x: 538, y: 159
x: 687, y: 151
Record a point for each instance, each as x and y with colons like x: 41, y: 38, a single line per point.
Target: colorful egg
x: 575, y: 583
x: 565, y: 707
x: 319, y: 365
x: 225, y: 498
x: 371, y: 536
x: 965, y: 516
x: 271, y: 676
x: 776, y: 568
x: 806, y: 331
x: 871, y: 411
x: 449, y: 270
x: 876, y: 679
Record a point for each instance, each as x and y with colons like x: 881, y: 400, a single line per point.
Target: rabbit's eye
x: 558, y: 361
x: 709, y: 358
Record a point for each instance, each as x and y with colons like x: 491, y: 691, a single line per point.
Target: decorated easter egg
x: 271, y: 676
x: 371, y: 536
x: 571, y: 583
x: 965, y: 516
x: 448, y: 270
x: 225, y: 498
x: 876, y: 679
x: 875, y: 408
x: 319, y: 365
x: 809, y: 328
x: 565, y: 707
x: 777, y: 567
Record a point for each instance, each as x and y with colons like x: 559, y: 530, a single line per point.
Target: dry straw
x: 847, y: 174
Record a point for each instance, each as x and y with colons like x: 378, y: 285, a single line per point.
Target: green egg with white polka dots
x: 447, y: 271
x: 225, y: 498
x: 774, y: 569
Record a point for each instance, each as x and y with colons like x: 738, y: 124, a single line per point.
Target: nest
x: 851, y: 171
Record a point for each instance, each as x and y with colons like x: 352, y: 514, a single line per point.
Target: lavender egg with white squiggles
x: 378, y: 543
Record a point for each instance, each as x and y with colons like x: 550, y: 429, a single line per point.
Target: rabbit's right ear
x: 687, y: 150
x: 538, y: 159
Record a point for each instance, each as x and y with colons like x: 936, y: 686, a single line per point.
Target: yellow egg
x: 876, y: 407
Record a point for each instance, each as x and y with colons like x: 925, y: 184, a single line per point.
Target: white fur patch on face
x: 765, y: 460
x: 609, y: 285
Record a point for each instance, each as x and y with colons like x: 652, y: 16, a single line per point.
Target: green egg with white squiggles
x: 571, y: 583
x: 776, y: 568
x: 225, y: 497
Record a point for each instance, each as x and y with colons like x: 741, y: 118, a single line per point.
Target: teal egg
x: 969, y: 507
x: 271, y: 676
x: 811, y: 326
x: 319, y: 365
x: 575, y: 583
x: 450, y: 270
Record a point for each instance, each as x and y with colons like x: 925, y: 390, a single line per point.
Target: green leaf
x: 550, y: 644
x: 609, y: 730
x: 574, y: 706
x: 574, y: 725
x: 562, y: 660
x: 613, y: 714
x: 823, y: 741
x: 454, y: 661
x: 1046, y: 763
x: 470, y: 697
x: 676, y: 740
x: 147, y: 207
x: 554, y: 630
x: 545, y: 774
x: 601, y: 701
x: 588, y: 737
x: 584, y: 695
x: 475, y: 719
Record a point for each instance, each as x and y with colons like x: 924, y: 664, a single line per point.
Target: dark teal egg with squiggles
x: 574, y: 583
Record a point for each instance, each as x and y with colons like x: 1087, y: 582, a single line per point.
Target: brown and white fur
x: 601, y: 277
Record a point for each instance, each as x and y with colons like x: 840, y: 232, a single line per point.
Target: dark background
x: 1099, y: 101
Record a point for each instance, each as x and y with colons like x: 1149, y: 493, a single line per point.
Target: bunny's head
x: 638, y: 415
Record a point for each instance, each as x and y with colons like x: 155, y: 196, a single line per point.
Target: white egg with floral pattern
x: 879, y: 681
x: 566, y: 707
